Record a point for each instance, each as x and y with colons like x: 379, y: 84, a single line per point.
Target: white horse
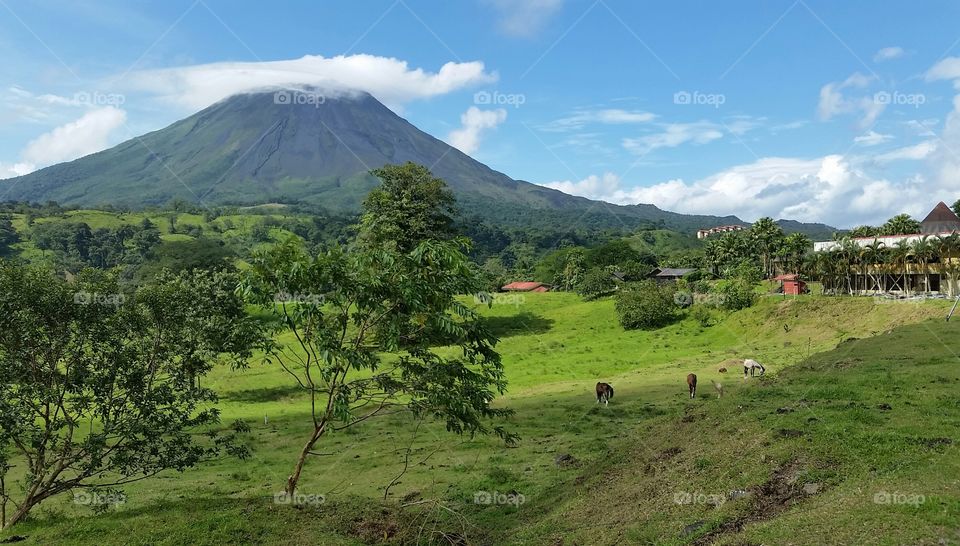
x: 751, y: 366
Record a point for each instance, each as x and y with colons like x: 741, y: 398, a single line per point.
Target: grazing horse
x: 751, y: 366
x: 692, y: 384
x: 722, y: 370
x: 604, y: 393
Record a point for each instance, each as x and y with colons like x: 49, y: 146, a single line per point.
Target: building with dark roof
x: 669, y: 273
x: 940, y: 220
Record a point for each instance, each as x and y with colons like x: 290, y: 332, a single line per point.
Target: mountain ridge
x: 254, y: 148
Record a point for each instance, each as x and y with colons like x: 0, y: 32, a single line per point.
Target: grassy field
x: 855, y: 421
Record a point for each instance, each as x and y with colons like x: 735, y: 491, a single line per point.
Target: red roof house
x: 526, y: 286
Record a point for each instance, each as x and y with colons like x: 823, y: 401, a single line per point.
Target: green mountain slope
x: 253, y: 149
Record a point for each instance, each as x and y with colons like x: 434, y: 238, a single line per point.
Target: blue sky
x: 840, y: 112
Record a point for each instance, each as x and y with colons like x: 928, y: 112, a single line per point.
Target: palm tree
x: 900, y: 254
x: 923, y: 251
x: 822, y: 266
x: 847, y: 257
x: 766, y: 234
x: 794, y: 247
x: 871, y: 255
x: 946, y: 248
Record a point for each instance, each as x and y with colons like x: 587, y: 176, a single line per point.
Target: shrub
x: 645, y: 306
x: 747, y: 270
x: 702, y: 314
x: 735, y: 294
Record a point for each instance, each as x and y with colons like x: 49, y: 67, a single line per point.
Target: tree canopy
x: 100, y: 387
x: 410, y: 205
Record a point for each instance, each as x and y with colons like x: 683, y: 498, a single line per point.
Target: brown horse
x: 604, y: 393
x: 692, y: 384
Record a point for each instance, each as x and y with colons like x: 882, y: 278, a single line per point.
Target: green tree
x: 901, y: 224
x: 864, y: 231
x: 596, y: 283
x: 8, y: 235
x: 645, y: 305
x: 767, y: 236
x: 146, y: 239
x: 177, y: 256
x: 573, y: 270
x: 495, y: 275
x: 99, y: 388
x: 616, y: 253
x: 795, y: 246
x: 410, y: 206
x: 924, y: 251
x: 956, y: 207
x: 376, y: 301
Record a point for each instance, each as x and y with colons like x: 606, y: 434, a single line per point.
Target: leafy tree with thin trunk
x: 367, y: 337
x: 100, y: 388
x: 364, y: 341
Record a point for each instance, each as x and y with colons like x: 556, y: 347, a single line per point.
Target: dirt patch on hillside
x: 769, y: 500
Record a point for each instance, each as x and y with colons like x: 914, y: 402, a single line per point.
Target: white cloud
x: 89, y: 134
x: 607, y: 116
x: 833, y: 102
x: 922, y: 127
x: 592, y: 186
x: 887, y: 54
x: 830, y: 189
x: 474, y: 122
x: 741, y: 125
x: 791, y: 126
x: 525, y: 18
x: 16, y: 169
x: 947, y: 69
x: 673, y: 135
x: 872, y: 138
x: 945, y: 160
x: 916, y: 152
x: 390, y: 80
